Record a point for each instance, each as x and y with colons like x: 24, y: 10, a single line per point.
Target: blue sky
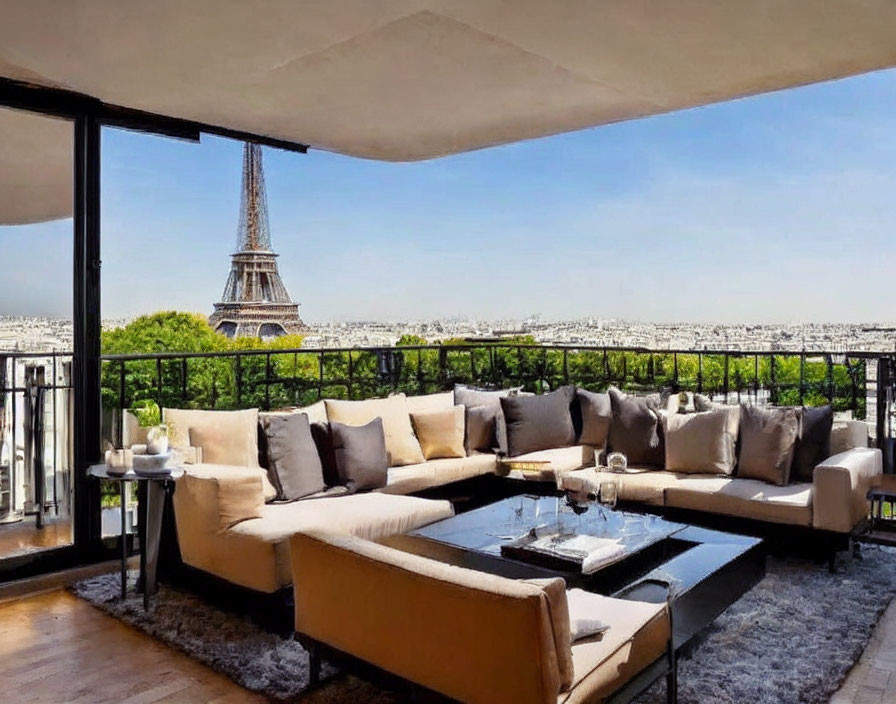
x: 768, y: 209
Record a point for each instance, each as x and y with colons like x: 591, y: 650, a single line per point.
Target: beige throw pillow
x: 701, y: 442
x: 227, y: 437
x: 219, y: 447
x: 441, y: 401
x: 441, y: 433
x: 240, y: 497
x: 401, y: 443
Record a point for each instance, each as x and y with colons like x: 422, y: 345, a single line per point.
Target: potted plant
x: 149, y: 416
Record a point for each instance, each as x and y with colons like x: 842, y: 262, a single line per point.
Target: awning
x: 415, y: 79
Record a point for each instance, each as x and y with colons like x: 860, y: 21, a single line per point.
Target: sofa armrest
x: 840, y: 485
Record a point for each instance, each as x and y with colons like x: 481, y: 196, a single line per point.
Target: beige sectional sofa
x: 469, y: 635
x: 833, y: 501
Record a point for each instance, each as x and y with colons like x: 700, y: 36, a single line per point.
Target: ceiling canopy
x: 403, y: 80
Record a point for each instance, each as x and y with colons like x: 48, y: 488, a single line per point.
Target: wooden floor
x: 56, y: 648
x: 23, y: 537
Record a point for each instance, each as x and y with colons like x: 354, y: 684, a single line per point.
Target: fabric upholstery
x: 639, y: 485
x: 320, y: 432
x: 471, y: 398
x: 425, y: 403
x: 595, y: 412
x: 841, y: 484
x: 558, y: 610
x: 293, y: 463
x: 562, y: 459
x: 417, y: 477
x: 469, y: 635
x: 254, y: 553
x: 635, y: 430
x: 813, y: 442
x: 441, y: 432
x: 539, y: 422
x: 316, y: 412
x: 401, y: 443
x: 700, y: 442
x: 638, y: 634
x: 240, y: 497
x: 847, y: 434
x: 480, y: 431
x: 746, y: 498
x: 232, y: 435
x: 767, y: 441
x: 360, y: 454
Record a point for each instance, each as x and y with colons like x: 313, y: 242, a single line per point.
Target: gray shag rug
x: 792, y: 639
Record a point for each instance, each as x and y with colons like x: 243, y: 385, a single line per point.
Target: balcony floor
x: 56, y: 648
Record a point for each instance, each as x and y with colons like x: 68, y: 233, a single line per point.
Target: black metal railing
x: 270, y: 379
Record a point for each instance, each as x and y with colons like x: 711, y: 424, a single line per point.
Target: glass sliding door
x: 37, y: 508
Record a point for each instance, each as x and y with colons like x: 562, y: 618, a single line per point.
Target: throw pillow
x: 240, y: 497
x: 480, y: 433
x: 401, y: 443
x: 583, y: 610
x: 441, y: 433
x: 228, y: 437
x: 430, y: 402
x: 360, y: 452
x: 470, y: 397
x: 635, y: 430
x: 813, y: 445
x: 293, y: 463
x: 595, y: 411
x: 324, y: 443
x: 767, y: 440
x: 700, y: 442
x: 539, y: 422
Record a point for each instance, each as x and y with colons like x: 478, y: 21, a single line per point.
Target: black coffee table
x: 709, y: 570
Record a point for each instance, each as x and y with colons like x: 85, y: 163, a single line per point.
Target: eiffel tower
x: 255, y: 303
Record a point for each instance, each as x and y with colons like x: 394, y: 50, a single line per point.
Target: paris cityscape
x: 37, y: 334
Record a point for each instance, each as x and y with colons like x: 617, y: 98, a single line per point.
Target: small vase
x: 157, y: 440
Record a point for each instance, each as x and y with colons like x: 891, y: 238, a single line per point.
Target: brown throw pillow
x: 441, y: 433
x: 596, y: 412
x: 813, y: 445
x: 635, y: 430
x: 700, y: 442
x: 767, y: 440
x: 360, y: 452
x: 293, y: 465
x: 539, y: 422
x: 480, y: 429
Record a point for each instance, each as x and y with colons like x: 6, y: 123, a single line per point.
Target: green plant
x: 147, y: 413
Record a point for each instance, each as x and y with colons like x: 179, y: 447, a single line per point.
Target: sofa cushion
x: 425, y: 403
x: 293, y: 462
x: 240, y: 497
x: 700, y: 442
x: 417, y: 477
x: 635, y: 484
x: 847, y: 434
x: 595, y: 413
x: 370, y: 516
x: 480, y: 428
x: 471, y: 398
x: 635, y: 430
x: 539, y: 422
x: 813, y: 443
x: 767, y: 440
x: 401, y: 443
x: 558, y: 607
x: 562, y: 459
x: 638, y: 634
x: 441, y: 432
x: 744, y: 498
x: 229, y: 437
x: 360, y: 453
x: 324, y: 444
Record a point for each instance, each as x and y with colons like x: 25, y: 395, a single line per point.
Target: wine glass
x: 608, y: 495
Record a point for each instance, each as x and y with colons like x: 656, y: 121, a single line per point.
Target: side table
x: 157, y: 485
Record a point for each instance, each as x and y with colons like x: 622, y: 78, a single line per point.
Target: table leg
x: 124, y: 541
x: 155, y: 506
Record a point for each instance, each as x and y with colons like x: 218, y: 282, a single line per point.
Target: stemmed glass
x: 608, y: 495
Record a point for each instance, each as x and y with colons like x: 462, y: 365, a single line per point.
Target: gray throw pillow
x: 767, y: 441
x: 469, y: 397
x: 596, y: 412
x: 293, y: 464
x: 539, y: 422
x: 635, y: 430
x: 813, y: 445
x: 321, y: 433
x: 480, y: 429
x: 360, y: 452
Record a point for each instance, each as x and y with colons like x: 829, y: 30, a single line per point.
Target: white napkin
x: 583, y: 622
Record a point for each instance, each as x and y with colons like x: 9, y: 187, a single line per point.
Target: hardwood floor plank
x: 55, y: 648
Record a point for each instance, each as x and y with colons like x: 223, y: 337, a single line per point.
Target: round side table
x: 156, y: 487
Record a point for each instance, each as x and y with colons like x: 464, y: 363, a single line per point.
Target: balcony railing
x: 852, y: 382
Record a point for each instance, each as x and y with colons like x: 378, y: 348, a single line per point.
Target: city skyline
x: 727, y: 213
